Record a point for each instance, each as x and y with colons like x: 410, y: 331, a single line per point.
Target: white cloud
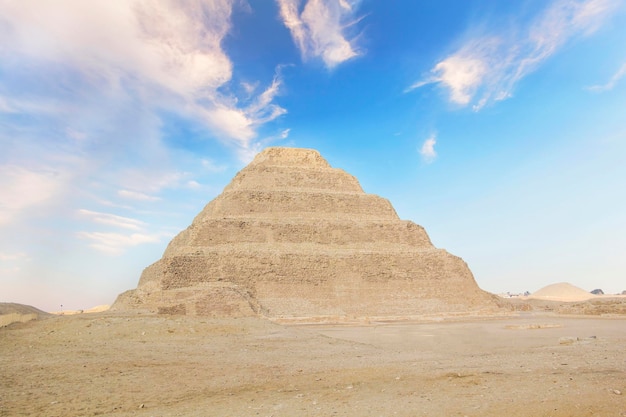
x: 4, y: 256
x: 229, y: 121
x: 23, y: 188
x: 611, y: 83
x: 150, y: 40
x: 247, y: 155
x: 428, y: 149
x: 10, y: 270
x: 5, y: 107
x: 161, y: 54
x: 262, y: 110
x: 462, y: 74
x: 249, y: 88
x: 116, y: 243
x: 86, y: 92
x: 285, y: 133
x: 143, y: 184
x: 112, y: 219
x: 75, y: 134
x: 135, y: 195
x: 193, y: 184
x: 211, y: 166
x: 240, y: 123
x: 319, y: 30
x: 487, y: 68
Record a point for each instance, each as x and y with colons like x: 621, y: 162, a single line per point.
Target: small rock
x: 567, y: 340
x: 142, y: 406
x: 616, y: 392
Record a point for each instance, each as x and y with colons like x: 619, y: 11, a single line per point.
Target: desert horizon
x: 562, y: 291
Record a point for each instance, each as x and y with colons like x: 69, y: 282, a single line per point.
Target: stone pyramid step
x: 335, y: 234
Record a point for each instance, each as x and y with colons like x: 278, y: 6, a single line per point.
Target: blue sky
x: 498, y: 126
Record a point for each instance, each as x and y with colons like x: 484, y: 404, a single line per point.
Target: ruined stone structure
x: 291, y: 237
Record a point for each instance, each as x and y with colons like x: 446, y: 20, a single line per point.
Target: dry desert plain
x: 527, y: 364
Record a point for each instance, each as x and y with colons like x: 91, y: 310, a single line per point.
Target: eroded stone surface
x: 293, y: 238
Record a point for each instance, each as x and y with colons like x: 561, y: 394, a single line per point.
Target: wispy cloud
x: 486, y: 68
x: 5, y: 107
x: 193, y: 184
x: 112, y: 219
x: 247, y: 155
x: 117, y: 243
x: 12, y: 263
x: 153, y: 54
x: 136, y: 195
x: 4, y: 256
x: 23, y: 189
x: 211, y: 166
x: 144, y: 185
x: 611, y: 83
x: 319, y: 29
x: 85, y: 93
x: 428, y: 149
x: 262, y: 109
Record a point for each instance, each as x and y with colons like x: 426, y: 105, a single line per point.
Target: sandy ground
x: 105, y: 364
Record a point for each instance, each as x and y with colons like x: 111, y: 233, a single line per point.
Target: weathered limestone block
x: 344, y: 233
x: 291, y: 238
x: 299, y: 204
x: 256, y: 177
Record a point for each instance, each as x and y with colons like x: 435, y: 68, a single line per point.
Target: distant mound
x: 96, y: 309
x: 13, y: 312
x: 562, y: 291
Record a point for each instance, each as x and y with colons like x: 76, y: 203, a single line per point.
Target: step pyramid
x: 293, y: 238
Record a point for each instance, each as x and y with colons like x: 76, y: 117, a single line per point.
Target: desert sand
x: 529, y: 364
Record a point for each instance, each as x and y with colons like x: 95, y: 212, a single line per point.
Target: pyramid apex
x: 282, y: 156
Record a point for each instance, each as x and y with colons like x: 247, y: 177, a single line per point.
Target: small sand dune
x: 562, y: 291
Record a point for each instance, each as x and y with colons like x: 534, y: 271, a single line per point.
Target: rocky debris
x: 568, y: 340
x: 293, y: 238
x: 533, y: 326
